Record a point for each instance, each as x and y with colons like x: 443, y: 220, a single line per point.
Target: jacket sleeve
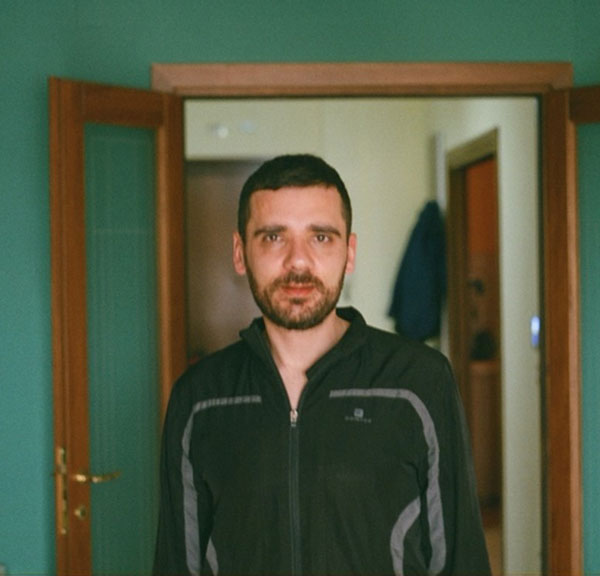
x: 466, y: 547
x: 184, y: 517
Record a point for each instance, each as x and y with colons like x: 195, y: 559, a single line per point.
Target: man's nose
x: 298, y: 256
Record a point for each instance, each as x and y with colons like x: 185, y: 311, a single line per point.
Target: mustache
x: 297, y: 278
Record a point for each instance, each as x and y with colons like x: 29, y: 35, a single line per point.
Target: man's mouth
x: 297, y: 290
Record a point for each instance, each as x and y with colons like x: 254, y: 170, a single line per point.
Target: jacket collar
x: 255, y: 337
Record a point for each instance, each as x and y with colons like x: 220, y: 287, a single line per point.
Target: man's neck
x: 295, y: 351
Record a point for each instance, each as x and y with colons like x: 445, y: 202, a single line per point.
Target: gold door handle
x: 95, y: 478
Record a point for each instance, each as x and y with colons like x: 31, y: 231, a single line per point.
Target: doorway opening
x: 390, y: 176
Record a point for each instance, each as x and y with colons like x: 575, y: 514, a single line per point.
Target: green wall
x: 587, y: 71
x: 116, y: 41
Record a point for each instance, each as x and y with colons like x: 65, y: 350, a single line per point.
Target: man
x: 316, y: 444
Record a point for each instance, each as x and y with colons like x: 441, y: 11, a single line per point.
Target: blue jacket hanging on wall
x: 420, y: 286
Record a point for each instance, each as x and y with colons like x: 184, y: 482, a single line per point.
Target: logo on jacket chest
x: 358, y: 415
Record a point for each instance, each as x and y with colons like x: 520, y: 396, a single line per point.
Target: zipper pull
x: 293, y: 417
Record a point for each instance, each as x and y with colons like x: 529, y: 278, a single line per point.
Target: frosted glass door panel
x: 122, y: 346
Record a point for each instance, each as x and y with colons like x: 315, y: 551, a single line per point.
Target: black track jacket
x: 371, y: 476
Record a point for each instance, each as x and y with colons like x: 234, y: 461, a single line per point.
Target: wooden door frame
x: 72, y: 104
x: 551, y: 82
x: 457, y: 159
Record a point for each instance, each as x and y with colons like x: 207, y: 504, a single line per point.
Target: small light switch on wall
x: 535, y: 327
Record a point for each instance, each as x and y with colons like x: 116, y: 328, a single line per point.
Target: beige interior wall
x: 516, y: 119
x: 379, y: 147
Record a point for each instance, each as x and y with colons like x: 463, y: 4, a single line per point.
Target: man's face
x: 296, y: 254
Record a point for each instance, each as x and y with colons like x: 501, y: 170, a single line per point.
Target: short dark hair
x: 301, y: 170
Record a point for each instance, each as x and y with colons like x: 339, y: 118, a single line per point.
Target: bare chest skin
x: 294, y: 382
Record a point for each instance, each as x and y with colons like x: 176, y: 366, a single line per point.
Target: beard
x: 295, y: 313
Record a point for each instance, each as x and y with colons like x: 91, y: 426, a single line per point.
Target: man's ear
x: 351, y: 256
x: 239, y: 262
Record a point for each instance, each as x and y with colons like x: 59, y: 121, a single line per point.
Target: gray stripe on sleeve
x: 435, y: 515
x: 405, y: 521
x: 211, y: 558
x: 190, y: 496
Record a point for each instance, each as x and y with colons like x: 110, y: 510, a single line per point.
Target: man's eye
x: 321, y: 238
x: 271, y: 237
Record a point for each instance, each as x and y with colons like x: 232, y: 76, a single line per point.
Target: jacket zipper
x: 294, y: 489
x: 295, y: 495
